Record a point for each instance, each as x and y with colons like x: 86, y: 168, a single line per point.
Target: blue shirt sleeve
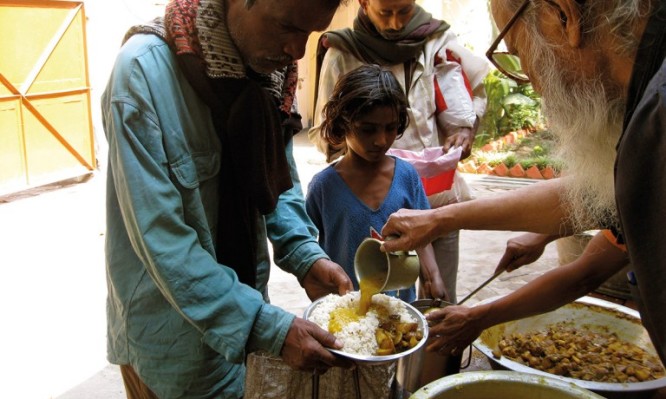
x: 290, y: 229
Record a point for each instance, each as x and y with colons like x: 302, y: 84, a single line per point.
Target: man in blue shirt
x: 199, y: 112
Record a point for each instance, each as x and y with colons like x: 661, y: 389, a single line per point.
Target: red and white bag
x: 436, y: 169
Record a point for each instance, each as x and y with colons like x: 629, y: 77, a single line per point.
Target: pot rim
x: 456, y: 381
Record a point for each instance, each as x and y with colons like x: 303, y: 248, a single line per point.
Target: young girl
x: 346, y: 201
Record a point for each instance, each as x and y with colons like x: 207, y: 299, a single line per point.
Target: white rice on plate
x: 358, y: 337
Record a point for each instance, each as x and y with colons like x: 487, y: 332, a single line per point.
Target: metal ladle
x: 438, y: 302
x: 471, y: 294
x: 477, y: 289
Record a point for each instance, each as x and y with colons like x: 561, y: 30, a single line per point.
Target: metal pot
x: 421, y: 367
x: 584, y: 313
x: 501, y: 385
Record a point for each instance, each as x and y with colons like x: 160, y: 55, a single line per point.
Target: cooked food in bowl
x: 387, y: 328
x: 588, y: 314
x: 565, y: 350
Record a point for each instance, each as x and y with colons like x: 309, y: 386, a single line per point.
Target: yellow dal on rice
x: 343, y: 316
x: 369, y: 287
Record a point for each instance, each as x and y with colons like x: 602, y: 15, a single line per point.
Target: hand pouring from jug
x: 379, y: 271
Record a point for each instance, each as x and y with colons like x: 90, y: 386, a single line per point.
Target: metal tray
x: 586, y: 312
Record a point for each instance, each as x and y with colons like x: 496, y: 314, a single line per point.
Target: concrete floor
x: 53, y: 287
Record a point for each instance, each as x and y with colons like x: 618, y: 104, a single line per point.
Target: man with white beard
x: 599, y: 66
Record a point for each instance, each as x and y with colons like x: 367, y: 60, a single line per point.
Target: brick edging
x: 533, y: 172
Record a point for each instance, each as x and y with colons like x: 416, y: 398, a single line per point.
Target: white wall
x: 470, y: 19
x: 107, y: 22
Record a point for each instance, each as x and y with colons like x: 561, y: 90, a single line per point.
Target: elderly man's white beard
x: 587, y: 125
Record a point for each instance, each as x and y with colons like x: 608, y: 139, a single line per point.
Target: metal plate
x: 587, y: 312
x: 422, y: 325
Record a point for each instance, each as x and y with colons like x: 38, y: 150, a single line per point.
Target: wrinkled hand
x: 452, y: 329
x: 412, y: 228
x: 435, y: 289
x: 463, y: 137
x: 326, y: 277
x: 304, y: 348
x: 431, y: 280
x: 523, y: 250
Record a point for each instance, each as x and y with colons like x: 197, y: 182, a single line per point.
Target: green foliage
x: 511, y: 106
x: 534, y: 149
x: 491, y: 158
x: 541, y: 162
x: 510, y: 160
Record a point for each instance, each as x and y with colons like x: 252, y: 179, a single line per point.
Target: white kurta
x: 423, y: 126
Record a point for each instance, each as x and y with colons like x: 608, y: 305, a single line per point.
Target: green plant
x: 541, y: 162
x: 510, y: 107
x: 491, y: 158
x: 510, y: 160
x: 532, y: 150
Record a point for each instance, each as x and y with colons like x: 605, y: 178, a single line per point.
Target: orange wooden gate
x: 46, y: 132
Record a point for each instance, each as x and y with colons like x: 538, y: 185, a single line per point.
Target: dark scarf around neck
x: 368, y: 45
x: 252, y: 117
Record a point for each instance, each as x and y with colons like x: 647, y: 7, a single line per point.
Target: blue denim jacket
x: 182, y: 320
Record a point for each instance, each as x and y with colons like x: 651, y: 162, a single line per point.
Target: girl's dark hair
x: 355, y: 94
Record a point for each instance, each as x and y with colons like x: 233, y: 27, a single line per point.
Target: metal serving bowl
x: 585, y: 313
x: 422, y: 325
x: 501, y: 385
